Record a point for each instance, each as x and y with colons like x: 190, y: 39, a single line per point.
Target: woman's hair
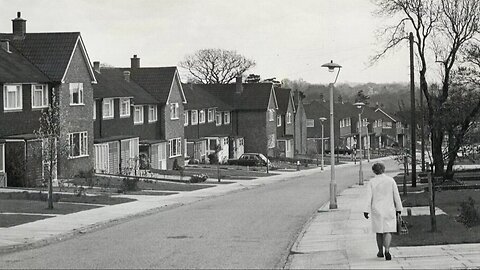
x: 378, y: 168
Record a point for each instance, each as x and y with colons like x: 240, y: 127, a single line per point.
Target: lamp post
x: 360, y: 106
x: 321, y: 122
x: 333, y: 185
x: 368, y: 143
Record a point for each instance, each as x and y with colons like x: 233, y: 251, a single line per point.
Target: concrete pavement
x: 342, y: 238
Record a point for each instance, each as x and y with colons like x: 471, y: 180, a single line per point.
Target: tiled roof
x: 201, y: 99
x: 14, y: 68
x: 112, y: 83
x: 317, y: 109
x: 156, y: 80
x: 255, y: 96
x: 50, y: 52
x: 283, y: 98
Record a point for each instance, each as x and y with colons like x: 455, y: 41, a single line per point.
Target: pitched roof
x: 50, y: 52
x: 14, y: 68
x: 317, y: 109
x: 385, y: 114
x: 156, y: 80
x: 111, y: 83
x: 201, y: 99
x: 284, y: 96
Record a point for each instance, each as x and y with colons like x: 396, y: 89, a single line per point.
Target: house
x: 254, y: 113
x: 300, y: 122
x: 50, y: 64
x: 285, y: 122
x: 314, y: 111
x: 164, y: 85
x: 388, y: 130
x: 208, y: 126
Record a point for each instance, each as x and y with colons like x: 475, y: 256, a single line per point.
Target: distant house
x: 314, y: 111
x: 49, y: 63
x: 300, y: 130
x: 285, y: 122
x: 388, y: 130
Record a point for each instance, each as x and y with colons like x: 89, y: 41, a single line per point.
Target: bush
x: 213, y: 158
x: 198, y: 178
x: 468, y: 213
x: 129, y: 184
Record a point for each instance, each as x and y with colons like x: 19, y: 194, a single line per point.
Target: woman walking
x: 384, y: 203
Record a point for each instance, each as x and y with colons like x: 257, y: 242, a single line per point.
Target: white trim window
x: 289, y: 117
x: 78, y: 144
x: 175, y: 147
x: 94, y: 109
x: 218, y: 118
x: 271, y: 115
x: 124, y: 107
x: 185, y: 118
x: 279, y: 120
x: 108, y: 108
x: 12, y: 97
x: 2, y: 158
x: 194, y: 117
x: 138, y: 115
x: 152, y: 113
x: 211, y: 115
x: 310, y: 123
x: 76, y: 93
x: 39, y: 96
x: 226, y: 118
x: 174, y: 111
x: 201, y: 117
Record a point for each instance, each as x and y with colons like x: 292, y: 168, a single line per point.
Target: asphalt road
x: 247, y: 229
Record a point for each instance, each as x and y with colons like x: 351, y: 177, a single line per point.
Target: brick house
x: 285, y: 122
x: 208, y: 126
x: 164, y: 85
x: 388, y: 130
x: 63, y: 59
x: 300, y: 122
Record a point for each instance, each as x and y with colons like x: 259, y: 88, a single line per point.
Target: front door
x: 162, y: 156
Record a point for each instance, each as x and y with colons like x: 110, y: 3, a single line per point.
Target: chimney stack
x: 239, y: 85
x: 19, y: 27
x: 96, y: 66
x: 5, y: 45
x: 126, y: 75
x: 135, y: 62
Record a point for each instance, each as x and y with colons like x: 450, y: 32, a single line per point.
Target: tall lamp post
x: 333, y: 185
x: 321, y: 122
x: 368, y: 143
x: 360, y: 106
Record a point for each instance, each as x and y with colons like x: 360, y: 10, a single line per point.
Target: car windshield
x: 263, y: 157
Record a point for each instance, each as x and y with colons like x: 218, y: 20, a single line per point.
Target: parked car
x: 250, y: 159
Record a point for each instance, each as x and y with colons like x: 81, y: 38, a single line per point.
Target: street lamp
x: 368, y: 143
x: 321, y: 122
x: 333, y: 185
x: 360, y: 106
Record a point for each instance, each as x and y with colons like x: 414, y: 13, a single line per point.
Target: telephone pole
x: 413, y: 122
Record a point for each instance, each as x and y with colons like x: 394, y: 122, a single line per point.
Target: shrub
x: 468, y: 213
x: 198, y: 178
x: 129, y: 184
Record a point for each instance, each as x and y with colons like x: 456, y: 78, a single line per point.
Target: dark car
x: 250, y: 159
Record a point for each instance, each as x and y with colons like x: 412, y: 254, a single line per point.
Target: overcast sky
x: 287, y: 39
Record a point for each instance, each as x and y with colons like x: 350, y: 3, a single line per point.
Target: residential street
x: 247, y: 229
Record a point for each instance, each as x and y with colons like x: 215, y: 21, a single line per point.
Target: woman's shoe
x: 380, y: 254
x: 388, y: 257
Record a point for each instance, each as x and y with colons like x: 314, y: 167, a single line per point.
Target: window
x: 289, y: 118
x: 108, y: 108
x: 125, y: 107
x: 218, y: 118
x: 279, y: 120
x: 226, y: 117
x: 152, y: 113
x: 2, y: 158
x: 270, y: 114
x: 12, y: 97
x: 211, y: 115
x: 175, y: 147
x: 194, y: 117
x: 201, y: 116
x: 78, y: 144
x: 174, y: 111
x: 138, y: 115
x: 76, y: 93
x: 310, y: 123
x: 39, y: 96
x: 342, y: 123
x: 185, y: 118
x: 94, y: 109
x: 387, y: 124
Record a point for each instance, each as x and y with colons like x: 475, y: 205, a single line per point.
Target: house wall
x: 252, y: 126
x: 173, y: 128
x: 206, y: 129
x: 289, y: 128
x: 300, y: 136
x: 147, y: 131
x: 76, y: 118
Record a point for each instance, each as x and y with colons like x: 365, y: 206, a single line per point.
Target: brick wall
x: 174, y: 128
x: 252, y: 126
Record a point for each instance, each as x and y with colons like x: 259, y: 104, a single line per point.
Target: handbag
x: 402, y: 225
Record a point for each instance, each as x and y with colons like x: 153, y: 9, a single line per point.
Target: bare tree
x: 209, y: 66
x: 442, y: 29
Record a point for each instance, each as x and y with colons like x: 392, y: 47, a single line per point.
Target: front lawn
x: 14, y: 220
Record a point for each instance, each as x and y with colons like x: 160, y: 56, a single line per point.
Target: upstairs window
x: 125, y: 107
x: 185, y: 118
x: 76, y: 93
x: 78, y: 144
x: 12, y: 97
x: 211, y: 115
x: 2, y: 158
x: 279, y: 120
x: 138, y: 115
x: 174, y: 111
x: 310, y: 123
x: 289, y: 118
x: 108, y: 108
x: 201, y: 116
x: 94, y: 109
x: 271, y: 114
x: 226, y: 118
x: 39, y: 96
x: 218, y: 118
x: 194, y: 117
x: 152, y: 114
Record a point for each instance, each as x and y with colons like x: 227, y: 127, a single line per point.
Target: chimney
x: 96, y: 66
x: 135, y: 62
x: 126, y: 75
x: 5, y: 45
x: 19, y: 27
x: 239, y: 85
